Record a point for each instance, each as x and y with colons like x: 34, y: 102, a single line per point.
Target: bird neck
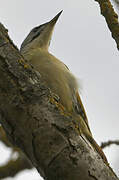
x: 34, y: 47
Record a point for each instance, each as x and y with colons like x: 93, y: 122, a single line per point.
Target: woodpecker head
x: 40, y: 36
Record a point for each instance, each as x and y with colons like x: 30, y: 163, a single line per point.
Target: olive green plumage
x: 57, y: 76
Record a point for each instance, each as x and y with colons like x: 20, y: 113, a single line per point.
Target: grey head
x: 34, y: 33
x: 40, y: 35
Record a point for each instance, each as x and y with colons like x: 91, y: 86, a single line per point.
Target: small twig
x: 108, y: 143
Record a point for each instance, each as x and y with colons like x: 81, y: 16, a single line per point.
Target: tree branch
x: 38, y: 124
x: 116, y: 3
x: 108, y: 143
x: 12, y: 167
x: 111, y: 18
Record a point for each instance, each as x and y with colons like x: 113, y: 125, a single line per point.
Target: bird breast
x: 56, y: 75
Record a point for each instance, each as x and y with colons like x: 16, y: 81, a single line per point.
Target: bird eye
x: 35, y: 29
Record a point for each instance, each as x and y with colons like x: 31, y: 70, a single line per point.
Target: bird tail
x: 85, y: 129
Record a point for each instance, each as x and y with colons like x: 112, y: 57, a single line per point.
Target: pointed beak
x: 54, y: 20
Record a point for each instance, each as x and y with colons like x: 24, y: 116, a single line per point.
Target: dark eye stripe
x: 37, y: 28
x: 35, y: 32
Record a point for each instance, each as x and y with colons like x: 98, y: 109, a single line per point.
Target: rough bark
x: 36, y: 122
x: 111, y: 18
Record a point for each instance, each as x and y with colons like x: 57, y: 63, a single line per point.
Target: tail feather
x: 85, y: 129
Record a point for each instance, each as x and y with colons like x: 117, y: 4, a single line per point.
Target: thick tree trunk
x: 38, y: 125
